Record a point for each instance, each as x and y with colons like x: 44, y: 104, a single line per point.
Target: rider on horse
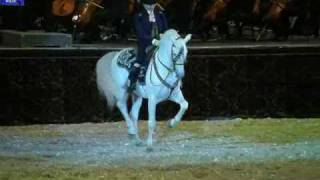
x: 149, y: 22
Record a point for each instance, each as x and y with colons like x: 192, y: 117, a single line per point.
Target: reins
x: 170, y: 70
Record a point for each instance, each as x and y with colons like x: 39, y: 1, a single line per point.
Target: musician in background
x: 60, y: 15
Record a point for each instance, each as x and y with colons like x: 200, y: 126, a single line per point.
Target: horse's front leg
x: 134, y: 114
x: 179, y: 99
x: 151, y: 122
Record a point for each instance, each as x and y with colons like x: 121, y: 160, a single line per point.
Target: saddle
x: 127, y: 59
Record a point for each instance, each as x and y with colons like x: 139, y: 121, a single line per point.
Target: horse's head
x: 173, y: 46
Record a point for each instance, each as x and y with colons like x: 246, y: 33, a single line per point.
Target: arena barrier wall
x: 57, y: 85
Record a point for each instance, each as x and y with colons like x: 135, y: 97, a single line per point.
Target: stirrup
x: 136, y: 65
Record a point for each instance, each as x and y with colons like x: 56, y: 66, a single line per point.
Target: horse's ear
x: 155, y: 42
x: 187, y: 38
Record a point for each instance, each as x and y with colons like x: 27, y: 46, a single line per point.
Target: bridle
x: 170, y: 70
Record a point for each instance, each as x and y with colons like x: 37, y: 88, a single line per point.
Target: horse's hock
x: 58, y: 85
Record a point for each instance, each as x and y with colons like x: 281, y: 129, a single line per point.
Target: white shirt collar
x: 150, y: 10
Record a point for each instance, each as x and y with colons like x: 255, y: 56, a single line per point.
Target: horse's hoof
x: 131, y: 136
x: 149, y: 149
x: 171, y: 124
x: 138, y: 143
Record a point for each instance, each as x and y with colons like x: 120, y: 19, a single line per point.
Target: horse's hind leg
x: 134, y: 114
x: 122, y: 105
x: 179, y: 99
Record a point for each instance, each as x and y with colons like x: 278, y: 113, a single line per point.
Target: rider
x: 149, y: 22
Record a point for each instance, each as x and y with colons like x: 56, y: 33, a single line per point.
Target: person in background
x: 149, y: 22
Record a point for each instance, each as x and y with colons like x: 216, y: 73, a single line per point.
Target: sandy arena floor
x: 245, y: 149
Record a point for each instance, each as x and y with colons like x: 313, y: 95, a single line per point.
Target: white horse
x: 163, y: 82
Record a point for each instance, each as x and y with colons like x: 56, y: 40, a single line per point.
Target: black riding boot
x: 141, y: 75
x: 133, y: 77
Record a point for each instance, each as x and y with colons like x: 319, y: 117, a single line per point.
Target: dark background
x: 225, y: 79
x: 48, y: 85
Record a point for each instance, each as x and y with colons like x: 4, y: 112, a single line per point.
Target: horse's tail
x: 105, y: 83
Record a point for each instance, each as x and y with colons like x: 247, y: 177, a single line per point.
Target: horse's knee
x: 184, y: 105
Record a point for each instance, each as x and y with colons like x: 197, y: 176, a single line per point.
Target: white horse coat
x: 163, y: 82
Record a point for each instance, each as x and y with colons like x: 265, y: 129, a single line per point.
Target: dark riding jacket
x: 145, y: 30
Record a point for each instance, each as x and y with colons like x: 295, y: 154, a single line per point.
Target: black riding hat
x: 148, y: 1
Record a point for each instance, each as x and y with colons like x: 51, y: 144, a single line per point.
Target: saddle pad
x: 127, y: 58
